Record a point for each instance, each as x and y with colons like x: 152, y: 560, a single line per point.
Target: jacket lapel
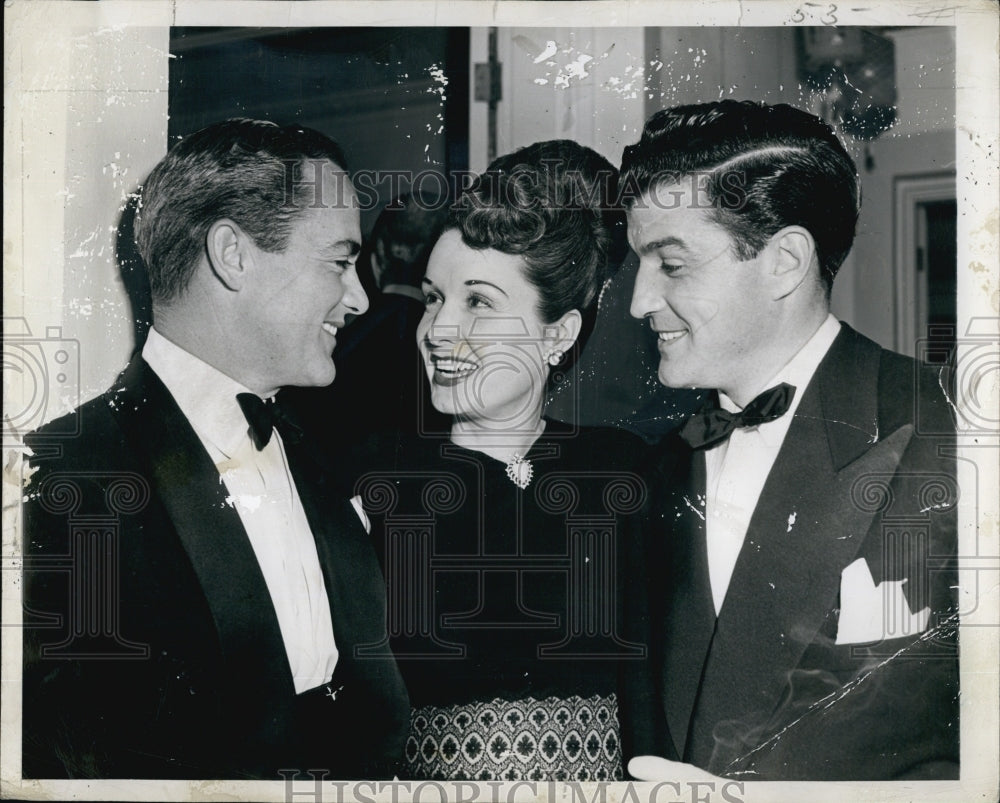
x: 368, y: 685
x: 808, y: 525
x: 188, y: 484
x: 682, y: 615
x: 351, y: 573
x: 341, y: 543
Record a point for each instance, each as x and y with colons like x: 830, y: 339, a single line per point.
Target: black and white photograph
x: 501, y: 401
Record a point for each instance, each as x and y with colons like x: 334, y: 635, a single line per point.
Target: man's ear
x: 793, y: 253
x: 229, y: 253
x: 561, y: 335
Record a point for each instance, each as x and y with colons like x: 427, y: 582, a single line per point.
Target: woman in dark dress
x: 500, y: 543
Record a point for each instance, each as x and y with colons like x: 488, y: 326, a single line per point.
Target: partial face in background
x: 710, y: 310
x: 482, y: 339
x: 385, y: 253
x: 379, y: 259
x: 298, y: 298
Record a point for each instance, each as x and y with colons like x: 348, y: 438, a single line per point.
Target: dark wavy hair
x: 553, y: 204
x: 764, y: 168
x: 253, y: 172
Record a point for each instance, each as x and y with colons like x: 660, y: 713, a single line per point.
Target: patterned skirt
x: 562, y: 739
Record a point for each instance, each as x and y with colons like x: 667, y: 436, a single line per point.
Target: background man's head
x: 741, y: 215
x: 402, y: 239
x: 249, y: 232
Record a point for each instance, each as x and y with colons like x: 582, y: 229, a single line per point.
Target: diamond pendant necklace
x: 519, y: 471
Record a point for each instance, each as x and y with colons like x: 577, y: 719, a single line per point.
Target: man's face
x: 710, y: 311
x: 298, y: 298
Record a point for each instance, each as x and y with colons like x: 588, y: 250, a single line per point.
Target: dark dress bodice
x: 499, y: 594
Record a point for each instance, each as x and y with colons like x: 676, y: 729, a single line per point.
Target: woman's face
x: 484, y: 344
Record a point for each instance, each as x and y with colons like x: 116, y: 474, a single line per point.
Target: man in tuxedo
x: 798, y: 563
x: 196, y: 586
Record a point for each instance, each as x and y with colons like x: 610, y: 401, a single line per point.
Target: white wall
x: 584, y: 84
x: 921, y: 142
x: 86, y: 108
x: 925, y: 80
x: 705, y: 64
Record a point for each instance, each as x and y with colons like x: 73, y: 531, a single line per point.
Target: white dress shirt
x: 737, y: 468
x: 262, y: 491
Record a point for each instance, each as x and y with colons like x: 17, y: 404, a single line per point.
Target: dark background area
x: 395, y: 99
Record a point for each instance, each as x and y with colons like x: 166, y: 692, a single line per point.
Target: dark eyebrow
x: 476, y: 282
x: 353, y: 248
x: 665, y: 242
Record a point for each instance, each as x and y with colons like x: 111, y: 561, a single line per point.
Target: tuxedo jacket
x: 783, y: 684
x: 151, y: 646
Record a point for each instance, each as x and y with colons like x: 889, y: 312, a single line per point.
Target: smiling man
x: 218, y: 584
x: 797, y: 589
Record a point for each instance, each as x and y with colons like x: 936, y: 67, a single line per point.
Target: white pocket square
x: 870, y: 612
x: 360, y: 510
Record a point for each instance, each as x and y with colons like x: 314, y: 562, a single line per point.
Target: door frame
x: 910, y: 308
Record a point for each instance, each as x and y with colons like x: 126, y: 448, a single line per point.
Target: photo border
x: 30, y: 24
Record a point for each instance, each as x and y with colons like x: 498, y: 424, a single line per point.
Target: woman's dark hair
x: 763, y: 168
x: 253, y: 172
x: 555, y: 205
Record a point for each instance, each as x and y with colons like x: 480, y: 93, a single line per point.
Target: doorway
x: 925, y: 266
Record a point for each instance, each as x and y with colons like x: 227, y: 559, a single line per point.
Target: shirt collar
x: 798, y: 371
x: 206, y: 396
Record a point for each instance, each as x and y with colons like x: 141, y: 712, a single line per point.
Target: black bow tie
x: 263, y: 416
x: 713, y: 424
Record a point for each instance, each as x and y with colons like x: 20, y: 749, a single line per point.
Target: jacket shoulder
x: 911, y: 392
x: 84, y: 436
x: 908, y: 391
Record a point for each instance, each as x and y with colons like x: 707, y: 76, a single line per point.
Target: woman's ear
x: 229, y: 254
x: 793, y: 253
x: 561, y: 335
